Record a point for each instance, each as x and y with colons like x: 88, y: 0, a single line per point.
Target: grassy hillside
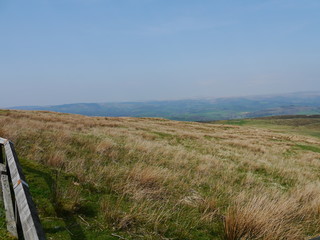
x: 297, y: 124
x: 143, y: 178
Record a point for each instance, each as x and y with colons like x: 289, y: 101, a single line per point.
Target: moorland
x: 152, y: 178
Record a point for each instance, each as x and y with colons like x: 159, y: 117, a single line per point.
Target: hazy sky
x: 67, y: 51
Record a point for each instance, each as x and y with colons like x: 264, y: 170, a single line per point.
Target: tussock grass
x: 263, y: 218
x: 161, y: 179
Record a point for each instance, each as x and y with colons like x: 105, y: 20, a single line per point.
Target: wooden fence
x: 20, y: 210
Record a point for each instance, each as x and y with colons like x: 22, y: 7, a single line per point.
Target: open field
x: 144, y: 178
x: 297, y: 124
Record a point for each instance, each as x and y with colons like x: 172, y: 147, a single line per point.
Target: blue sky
x: 67, y: 51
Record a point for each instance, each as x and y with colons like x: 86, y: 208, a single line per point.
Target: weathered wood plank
x: 1, y: 154
x: 7, y: 201
x: 30, y: 222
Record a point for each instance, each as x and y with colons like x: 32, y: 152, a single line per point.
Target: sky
x: 68, y: 51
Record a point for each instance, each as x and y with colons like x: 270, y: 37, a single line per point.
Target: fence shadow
x: 73, y: 227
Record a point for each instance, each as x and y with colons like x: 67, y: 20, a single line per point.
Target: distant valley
x: 209, y: 109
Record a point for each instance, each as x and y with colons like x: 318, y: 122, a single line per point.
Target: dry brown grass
x: 188, y: 175
x: 263, y: 218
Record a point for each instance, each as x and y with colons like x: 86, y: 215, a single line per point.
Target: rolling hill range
x: 199, y: 109
x: 152, y: 178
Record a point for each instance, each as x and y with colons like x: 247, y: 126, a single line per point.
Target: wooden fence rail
x: 20, y: 209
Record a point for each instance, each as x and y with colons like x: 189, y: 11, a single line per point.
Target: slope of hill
x: 143, y: 178
x: 201, y: 109
x: 298, y: 124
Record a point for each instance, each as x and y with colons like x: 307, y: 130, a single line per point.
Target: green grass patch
x: 309, y: 148
x: 164, y: 135
x: 303, y: 125
x: 4, y: 112
x: 67, y: 210
x: 239, y: 122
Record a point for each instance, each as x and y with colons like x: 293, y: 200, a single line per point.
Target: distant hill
x: 199, y: 109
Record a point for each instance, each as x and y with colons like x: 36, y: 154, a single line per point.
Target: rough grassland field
x: 143, y: 178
